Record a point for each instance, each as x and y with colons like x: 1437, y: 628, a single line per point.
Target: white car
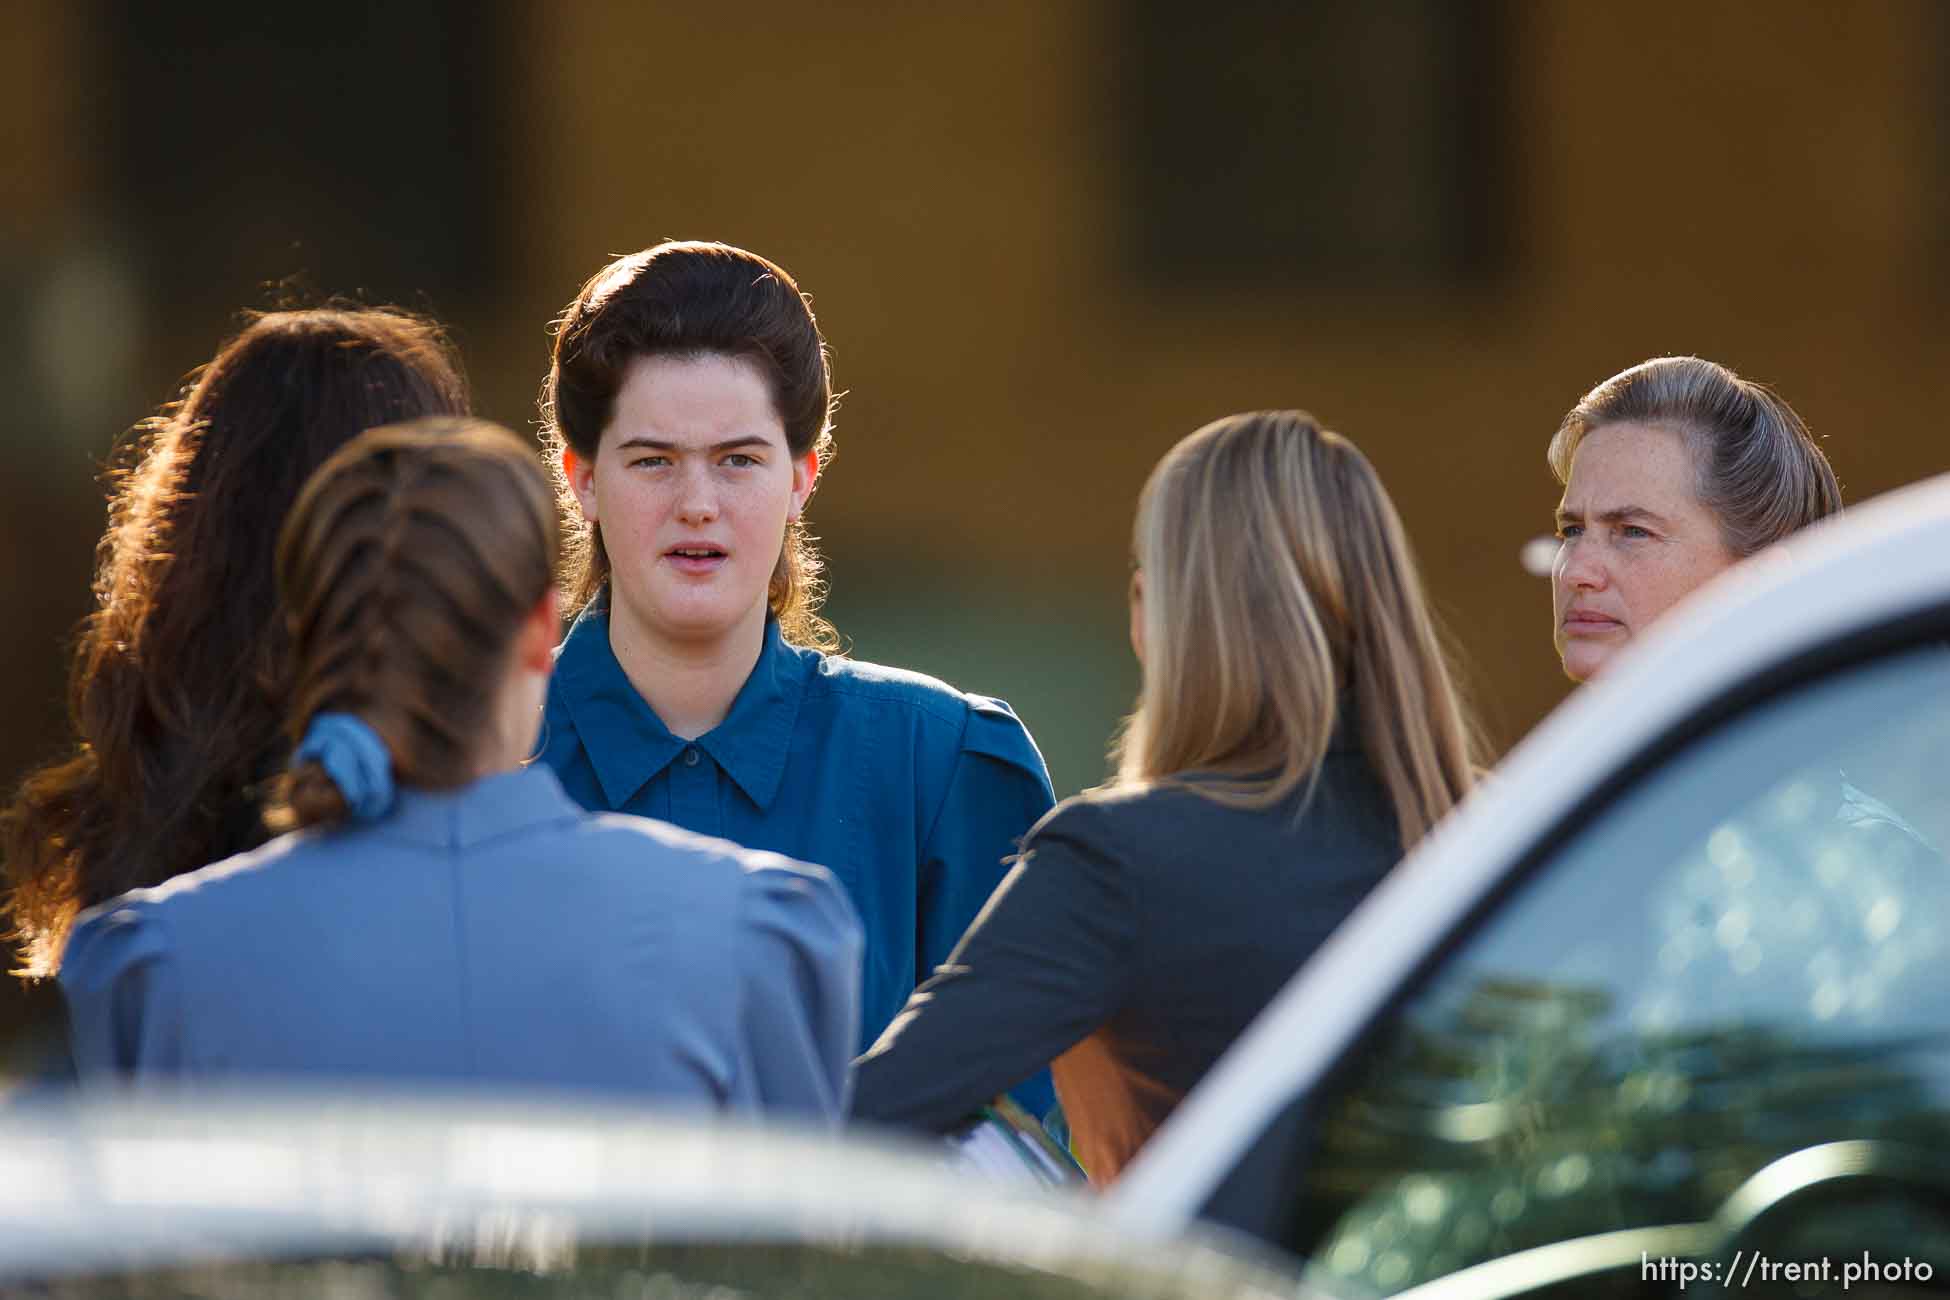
x: 232, y: 1193
x: 1666, y: 1003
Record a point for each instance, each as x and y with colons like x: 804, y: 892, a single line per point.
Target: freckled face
x: 691, y: 487
x: 1634, y: 538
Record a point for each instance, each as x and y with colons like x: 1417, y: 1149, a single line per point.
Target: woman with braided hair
x: 442, y: 911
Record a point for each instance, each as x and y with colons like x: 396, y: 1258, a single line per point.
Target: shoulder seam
x: 918, y: 703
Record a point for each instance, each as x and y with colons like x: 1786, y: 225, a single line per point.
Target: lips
x: 696, y: 557
x: 1587, y: 622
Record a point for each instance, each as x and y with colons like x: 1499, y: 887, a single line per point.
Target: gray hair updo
x: 1758, y: 469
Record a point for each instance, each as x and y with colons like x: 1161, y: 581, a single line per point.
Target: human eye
x: 740, y: 460
x: 652, y: 460
x: 1634, y: 533
x: 1565, y: 532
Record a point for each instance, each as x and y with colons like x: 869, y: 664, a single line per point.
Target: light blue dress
x: 493, y: 934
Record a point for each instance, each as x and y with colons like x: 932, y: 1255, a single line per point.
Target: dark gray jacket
x: 1140, y: 933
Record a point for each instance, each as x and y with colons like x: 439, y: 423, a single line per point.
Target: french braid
x: 406, y: 569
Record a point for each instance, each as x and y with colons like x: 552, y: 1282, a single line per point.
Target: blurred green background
x: 1044, y: 239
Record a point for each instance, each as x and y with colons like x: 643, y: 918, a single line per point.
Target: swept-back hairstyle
x: 1277, y: 576
x: 406, y: 568
x: 177, y: 687
x: 1757, y: 467
x: 686, y: 300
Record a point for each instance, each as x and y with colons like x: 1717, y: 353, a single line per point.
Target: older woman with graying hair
x: 1672, y: 471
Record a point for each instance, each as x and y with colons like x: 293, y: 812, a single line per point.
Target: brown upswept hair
x: 1276, y: 576
x: 1756, y: 466
x: 177, y: 686
x: 688, y: 299
x: 405, y: 569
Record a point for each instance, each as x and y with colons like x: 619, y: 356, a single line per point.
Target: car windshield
x: 1741, y: 957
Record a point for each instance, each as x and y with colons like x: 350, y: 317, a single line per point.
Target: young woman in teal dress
x: 688, y: 409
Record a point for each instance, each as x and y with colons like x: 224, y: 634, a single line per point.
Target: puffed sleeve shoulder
x: 125, y: 1005
x: 994, y: 731
x: 800, y: 948
x: 1000, y: 787
x: 997, y: 792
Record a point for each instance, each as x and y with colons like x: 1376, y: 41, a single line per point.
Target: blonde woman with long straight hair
x: 1298, y: 728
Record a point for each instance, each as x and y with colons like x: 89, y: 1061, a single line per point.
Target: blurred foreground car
x: 1672, y: 988
x: 371, y: 1199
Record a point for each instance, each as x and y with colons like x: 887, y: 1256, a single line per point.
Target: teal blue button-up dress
x: 914, y: 794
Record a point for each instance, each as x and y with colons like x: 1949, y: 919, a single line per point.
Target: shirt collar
x: 628, y: 744
x: 494, y: 805
x: 752, y: 742
x: 626, y: 741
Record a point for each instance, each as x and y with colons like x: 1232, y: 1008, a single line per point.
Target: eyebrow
x: 1616, y: 515
x: 646, y: 443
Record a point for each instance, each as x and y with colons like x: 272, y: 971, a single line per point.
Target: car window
x: 1741, y: 956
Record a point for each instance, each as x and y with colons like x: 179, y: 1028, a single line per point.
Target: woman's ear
x: 805, y: 477
x: 582, y: 481
x: 540, y: 629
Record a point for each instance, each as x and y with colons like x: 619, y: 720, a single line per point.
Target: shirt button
x: 690, y: 756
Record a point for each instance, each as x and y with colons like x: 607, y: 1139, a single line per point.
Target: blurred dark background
x: 1045, y: 241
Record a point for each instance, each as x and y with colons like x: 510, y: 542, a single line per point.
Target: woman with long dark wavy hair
x: 179, y: 676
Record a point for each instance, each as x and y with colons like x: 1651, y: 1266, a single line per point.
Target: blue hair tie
x: 356, y: 759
